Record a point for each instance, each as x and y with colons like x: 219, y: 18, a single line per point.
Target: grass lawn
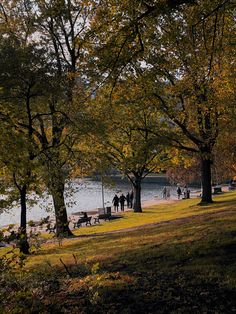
x: 183, y: 261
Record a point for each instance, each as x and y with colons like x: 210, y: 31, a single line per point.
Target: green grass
x: 158, y: 213
x: 184, y: 262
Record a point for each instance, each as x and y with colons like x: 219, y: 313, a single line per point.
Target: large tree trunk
x: 22, y: 241
x: 137, y: 195
x: 206, y: 180
x: 57, y: 191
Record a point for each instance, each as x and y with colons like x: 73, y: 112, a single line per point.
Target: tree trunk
x: 206, y: 180
x: 137, y: 195
x: 62, y: 224
x: 23, y: 242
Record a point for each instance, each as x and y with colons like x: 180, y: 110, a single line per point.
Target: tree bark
x: 137, y: 195
x: 57, y: 191
x: 23, y: 241
x: 206, y: 180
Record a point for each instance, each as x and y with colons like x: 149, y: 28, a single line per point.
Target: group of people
x: 121, y: 201
x: 166, y: 192
x: 185, y: 192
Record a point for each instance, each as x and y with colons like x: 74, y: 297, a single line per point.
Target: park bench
x: 103, y: 213
x: 217, y: 189
x: 86, y: 220
x: 102, y: 216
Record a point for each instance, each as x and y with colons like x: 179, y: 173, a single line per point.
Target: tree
x: 61, y: 26
x: 128, y: 133
x: 184, y: 168
x: 182, y: 50
x: 22, y: 82
x: 185, y: 71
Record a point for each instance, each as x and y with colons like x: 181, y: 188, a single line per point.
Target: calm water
x: 83, y: 195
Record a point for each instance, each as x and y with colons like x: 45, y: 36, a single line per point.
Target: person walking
x: 122, y: 202
x: 185, y: 191
x: 115, y: 202
x: 164, y: 191
x: 168, y: 193
x: 179, y: 192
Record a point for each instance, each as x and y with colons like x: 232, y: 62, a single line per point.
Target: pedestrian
x: 128, y: 199
x: 115, y: 202
x: 168, y: 193
x: 131, y: 197
x: 179, y: 192
x: 164, y: 193
x: 122, y: 202
x: 185, y: 191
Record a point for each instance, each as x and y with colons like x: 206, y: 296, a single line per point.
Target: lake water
x: 85, y: 195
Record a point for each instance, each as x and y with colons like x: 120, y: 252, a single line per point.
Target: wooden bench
x: 102, y: 216
x: 86, y: 220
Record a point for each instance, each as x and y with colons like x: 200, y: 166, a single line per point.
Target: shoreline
x: 73, y: 217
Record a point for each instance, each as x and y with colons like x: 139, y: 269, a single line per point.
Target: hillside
x: 173, y: 258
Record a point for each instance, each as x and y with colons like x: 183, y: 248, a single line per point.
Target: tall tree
x: 128, y: 133
x: 185, y: 69
x: 64, y: 27
x: 21, y: 86
x: 182, y: 51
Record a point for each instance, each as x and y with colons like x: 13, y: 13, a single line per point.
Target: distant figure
x: 122, y: 202
x: 179, y: 192
x: 164, y: 191
x: 128, y: 199
x: 115, y: 202
x: 168, y: 193
x: 131, y: 197
x: 85, y: 215
x: 185, y: 191
x: 188, y: 193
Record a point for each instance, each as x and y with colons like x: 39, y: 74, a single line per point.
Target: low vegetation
x: 182, y: 260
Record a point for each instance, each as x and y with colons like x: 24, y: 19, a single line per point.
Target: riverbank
x: 82, y: 195
x: 73, y: 217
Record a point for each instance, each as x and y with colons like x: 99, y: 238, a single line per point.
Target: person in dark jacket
x: 179, y: 192
x: 122, y: 202
x: 115, y: 202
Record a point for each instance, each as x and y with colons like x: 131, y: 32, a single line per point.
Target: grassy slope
x: 177, y: 267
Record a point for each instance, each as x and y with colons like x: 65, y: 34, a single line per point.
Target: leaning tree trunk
x: 57, y: 191
x: 23, y: 241
x: 137, y: 195
x: 206, y: 180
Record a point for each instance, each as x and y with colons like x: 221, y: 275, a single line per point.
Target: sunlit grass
x: 158, y: 213
x: 184, y: 259
x: 104, y: 246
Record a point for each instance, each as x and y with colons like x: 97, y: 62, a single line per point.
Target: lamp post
x: 103, y: 203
